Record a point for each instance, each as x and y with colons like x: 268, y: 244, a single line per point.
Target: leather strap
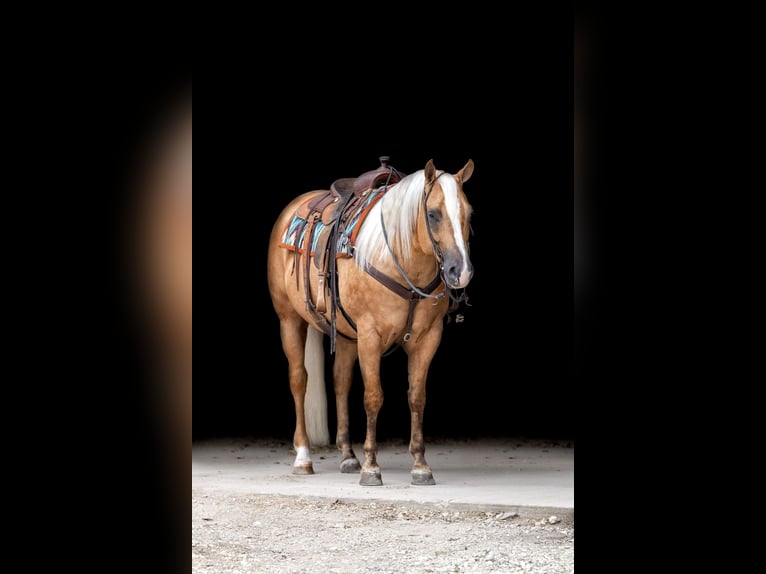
x: 412, y: 296
x: 400, y: 289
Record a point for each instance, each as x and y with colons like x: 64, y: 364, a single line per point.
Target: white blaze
x: 452, y: 204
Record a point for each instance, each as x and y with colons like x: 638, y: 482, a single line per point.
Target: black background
x: 507, y: 370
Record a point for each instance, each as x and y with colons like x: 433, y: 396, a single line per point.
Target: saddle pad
x: 295, y: 235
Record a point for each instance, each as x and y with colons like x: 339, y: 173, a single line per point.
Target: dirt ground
x: 236, y: 533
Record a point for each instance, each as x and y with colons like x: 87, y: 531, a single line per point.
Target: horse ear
x: 430, y: 171
x: 465, y: 174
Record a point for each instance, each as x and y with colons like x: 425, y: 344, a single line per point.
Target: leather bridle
x: 415, y: 294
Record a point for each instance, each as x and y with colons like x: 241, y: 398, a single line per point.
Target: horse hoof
x: 370, y: 478
x: 422, y: 477
x: 303, y: 469
x: 350, y: 466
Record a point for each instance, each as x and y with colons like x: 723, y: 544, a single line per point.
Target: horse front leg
x: 369, y: 362
x: 419, y: 360
x: 343, y: 373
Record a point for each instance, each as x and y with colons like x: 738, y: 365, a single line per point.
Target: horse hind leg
x: 343, y: 373
x: 293, y: 332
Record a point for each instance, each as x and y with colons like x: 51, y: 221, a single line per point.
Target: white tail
x: 315, y: 406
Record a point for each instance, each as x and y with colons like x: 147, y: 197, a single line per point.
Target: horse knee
x: 373, y: 403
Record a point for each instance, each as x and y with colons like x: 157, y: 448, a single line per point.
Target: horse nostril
x: 453, y: 273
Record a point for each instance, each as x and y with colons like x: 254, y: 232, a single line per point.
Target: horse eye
x: 433, y: 216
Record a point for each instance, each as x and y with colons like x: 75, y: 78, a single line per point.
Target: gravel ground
x: 277, y: 534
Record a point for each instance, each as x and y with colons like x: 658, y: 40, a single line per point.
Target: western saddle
x: 321, y: 222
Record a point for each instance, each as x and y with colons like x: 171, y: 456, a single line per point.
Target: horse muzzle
x: 457, y: 273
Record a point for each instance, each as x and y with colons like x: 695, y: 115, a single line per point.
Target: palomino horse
x: 390, y: 258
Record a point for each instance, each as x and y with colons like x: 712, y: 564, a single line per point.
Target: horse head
x: 448, y: 222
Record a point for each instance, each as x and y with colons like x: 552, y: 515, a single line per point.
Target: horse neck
x: 421, y: 266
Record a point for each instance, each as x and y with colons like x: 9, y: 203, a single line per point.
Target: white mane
x: 400, y: 206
